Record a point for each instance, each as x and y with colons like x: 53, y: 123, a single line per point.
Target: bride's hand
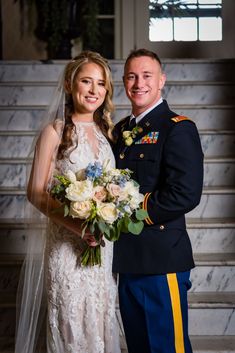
x: 90, y: 239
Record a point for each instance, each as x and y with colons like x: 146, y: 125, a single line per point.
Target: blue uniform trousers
x: 154, y: 312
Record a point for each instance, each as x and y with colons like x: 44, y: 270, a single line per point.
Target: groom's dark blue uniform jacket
x: 167, y: 161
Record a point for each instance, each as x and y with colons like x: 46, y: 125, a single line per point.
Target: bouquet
x: 108, y: 201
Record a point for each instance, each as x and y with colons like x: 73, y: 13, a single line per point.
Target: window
x: 105, y: 25
x: 189, y: 20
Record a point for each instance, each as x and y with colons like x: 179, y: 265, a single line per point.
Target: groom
x: 167, y: 161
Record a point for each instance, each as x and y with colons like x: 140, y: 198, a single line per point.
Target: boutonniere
x: 128, y: 136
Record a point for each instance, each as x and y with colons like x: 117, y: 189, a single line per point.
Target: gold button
x: 141, y: 155
x: 162, y: 227
x: 122, y: 155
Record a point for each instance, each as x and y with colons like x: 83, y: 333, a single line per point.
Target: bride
x: 80, y: 300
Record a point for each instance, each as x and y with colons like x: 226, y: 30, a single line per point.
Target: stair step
x: 211, y: 160
x: 183, y: 69
x: 208, y: 314
x: 207, y: 235
x: 119, y: 82
x: 210, y: 344
x: 212, y: 321
x: 21, y: 223
x: 211, y: 299
x: 214, y: 144
x: 207, y: 190
x: 207, y: 344
x: 215, y: 259
x: 9, y: 260
x: 212, y: 240
x: 205, y: 116
x: 210, y: 222
x: 33, y: 133
x: 217, y: 172
x: 175, y: 93
x: 217, y: 203
x: 187, y: 93
x: 191, y: 223
x: 196, y: 300
x: 219, y: 259
x: 213, y: 272
x: 213, y: 278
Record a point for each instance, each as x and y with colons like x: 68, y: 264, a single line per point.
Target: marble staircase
x: 204, y: 90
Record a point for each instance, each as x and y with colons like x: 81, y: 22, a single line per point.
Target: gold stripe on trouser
x: 176, y: 309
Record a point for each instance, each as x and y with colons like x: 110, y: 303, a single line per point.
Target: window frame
x: 191, y: 10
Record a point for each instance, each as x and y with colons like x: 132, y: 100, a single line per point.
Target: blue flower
x: 93, y: 170
x: 127, y: 209
x: 121, y: 180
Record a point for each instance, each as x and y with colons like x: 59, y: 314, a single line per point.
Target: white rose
x: 80, y: 190
x: 100, y: 193
x: 107, y: 211
x: 114, y: 172
x: 128, y: 141
x: 124, y: 194
x: 107, y: 178
x: 136, y: 200
x: 113, y: 189
x: 80, y: 210
x: 71, y: 176
x: 130, y: 191
x: 126, y: 134
x: 136, y: 197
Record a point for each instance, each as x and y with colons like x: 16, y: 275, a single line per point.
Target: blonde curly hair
x: 102, y: 116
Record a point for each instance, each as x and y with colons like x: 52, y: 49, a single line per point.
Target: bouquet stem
x: 91, y: 256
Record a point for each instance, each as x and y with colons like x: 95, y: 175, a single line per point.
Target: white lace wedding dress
x: 81, y: 300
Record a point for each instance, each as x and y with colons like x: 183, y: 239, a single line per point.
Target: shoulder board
x: 179, y: 118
